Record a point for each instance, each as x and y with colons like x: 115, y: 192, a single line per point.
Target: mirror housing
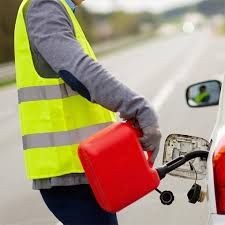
x: 177, y: 145
x: 203, y: 94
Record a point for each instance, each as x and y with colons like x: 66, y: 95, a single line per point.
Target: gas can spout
x: 174, y: 164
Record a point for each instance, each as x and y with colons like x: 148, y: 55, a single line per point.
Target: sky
x: 136, y: 5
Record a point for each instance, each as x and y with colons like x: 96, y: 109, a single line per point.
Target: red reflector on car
x: 219, y: 177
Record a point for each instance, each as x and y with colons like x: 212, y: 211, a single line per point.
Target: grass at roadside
x: 100, y: 51
x: 4, y: 83
x: 219, y: 28
x: 222, y: 28
x: 123, y: 44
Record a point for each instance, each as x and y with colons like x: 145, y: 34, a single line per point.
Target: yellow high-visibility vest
x: 54, y: 119
x: 202, y: 97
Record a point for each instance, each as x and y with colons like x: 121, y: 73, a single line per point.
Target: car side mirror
x: 203, y: 94
x: 177, y: 145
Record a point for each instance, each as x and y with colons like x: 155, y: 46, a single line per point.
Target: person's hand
x: 150, y: 140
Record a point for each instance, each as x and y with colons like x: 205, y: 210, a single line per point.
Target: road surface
x: 160, y: 70
x: 7, y: 71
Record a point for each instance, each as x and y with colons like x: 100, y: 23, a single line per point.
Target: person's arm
x: 51, y: 33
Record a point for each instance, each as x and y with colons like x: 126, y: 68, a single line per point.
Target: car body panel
x: 216, y: 219
x: 217, y: 135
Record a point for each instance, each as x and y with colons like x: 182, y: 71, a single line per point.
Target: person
x: 203, y: 96
x: 65, y: 96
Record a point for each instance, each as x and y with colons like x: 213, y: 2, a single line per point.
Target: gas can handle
x: 150, y: 153
x: 137, y: 130
x: 140, y: 134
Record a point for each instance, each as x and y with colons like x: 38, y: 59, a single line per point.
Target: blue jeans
x: 76, y: 205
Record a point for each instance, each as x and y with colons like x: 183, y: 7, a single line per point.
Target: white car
x: 195, y: 158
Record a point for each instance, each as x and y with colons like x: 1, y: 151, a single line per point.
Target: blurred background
x: 114, y: 19
x: 117, y: 22
x: 158, y: 48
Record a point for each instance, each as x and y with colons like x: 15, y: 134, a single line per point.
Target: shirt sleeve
x: 51, y: 33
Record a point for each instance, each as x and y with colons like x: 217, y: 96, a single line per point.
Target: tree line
x: 206, y: 7
x: 98, y: 27
x: 8, y: 11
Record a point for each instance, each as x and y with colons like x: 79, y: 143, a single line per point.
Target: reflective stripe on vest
x: 45, y: 93
x: 54, y: 119
x: 60, y: 138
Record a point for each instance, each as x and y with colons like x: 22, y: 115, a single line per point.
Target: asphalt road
x: 7, y: 71
x: 161, y: 70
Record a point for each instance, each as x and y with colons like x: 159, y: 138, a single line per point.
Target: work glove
x: 150, y: 140
x: 146, y: 120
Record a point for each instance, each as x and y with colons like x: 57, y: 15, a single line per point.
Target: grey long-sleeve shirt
x: 56, y: 52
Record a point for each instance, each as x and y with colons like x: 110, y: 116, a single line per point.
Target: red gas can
x: 116, y: 167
